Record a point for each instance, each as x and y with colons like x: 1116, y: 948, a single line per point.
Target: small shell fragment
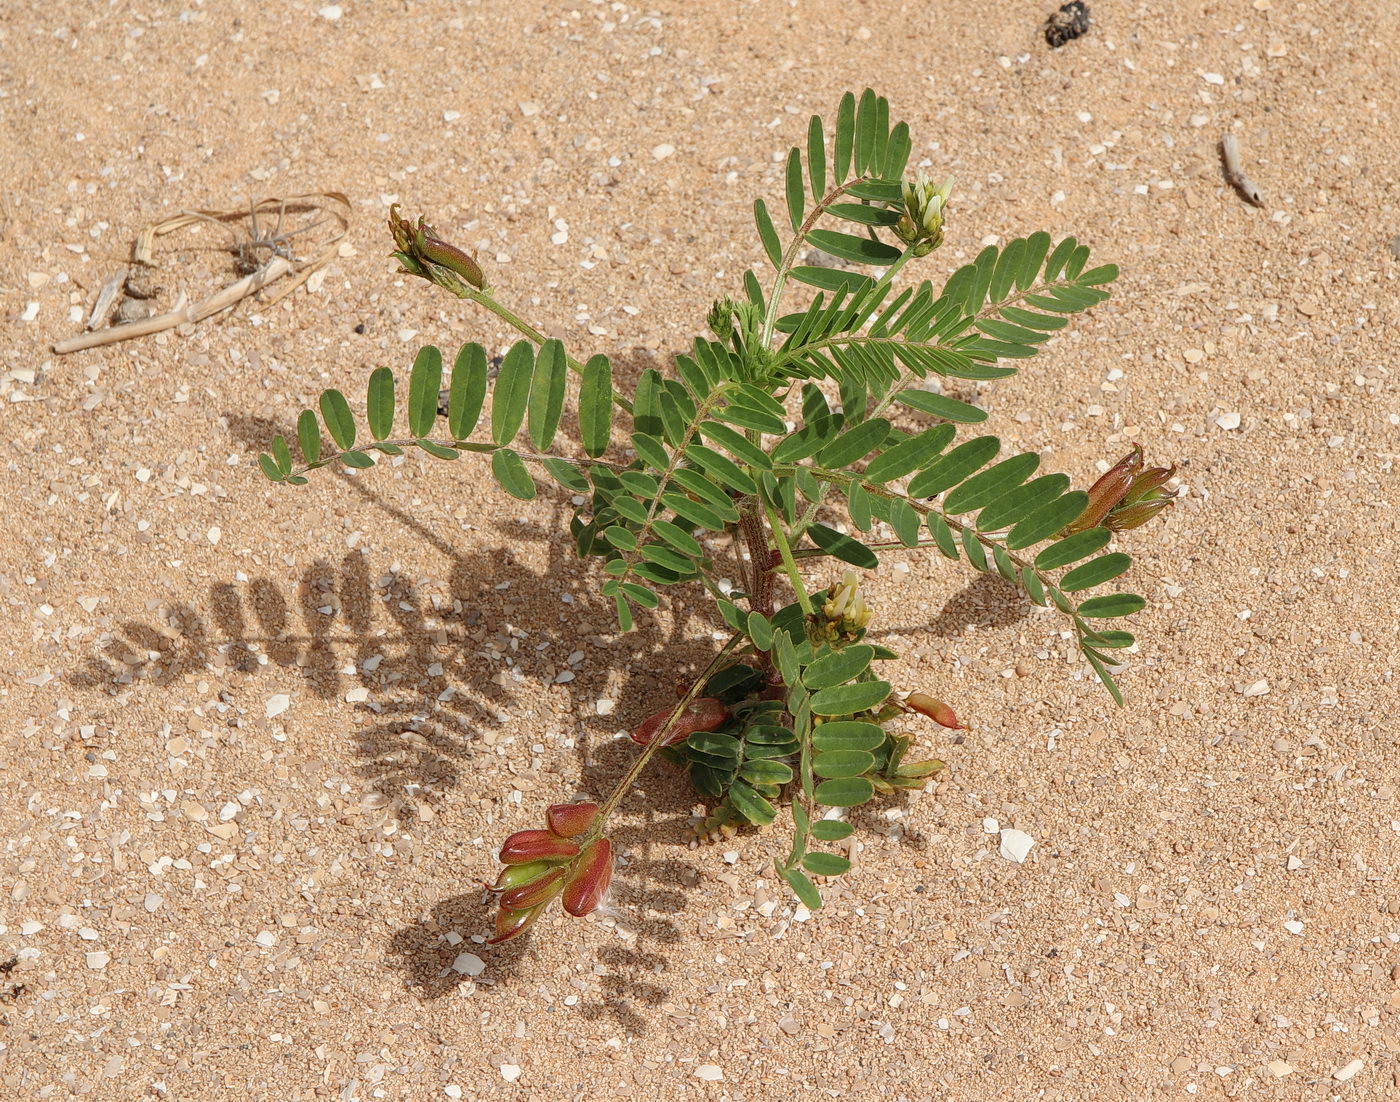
x: 1230, y: 158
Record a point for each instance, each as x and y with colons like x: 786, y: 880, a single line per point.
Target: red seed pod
x: 570, y: 820
x: 1135, y: 516
x: 589, y: 881
x: 536, y: 845
x: 935, y: 709
x: 511, y: 924
x: 512, y: 876
x: 704, y: 714
x: 535, y: 892
x: 1151, y: 480
x: 1109, y: 490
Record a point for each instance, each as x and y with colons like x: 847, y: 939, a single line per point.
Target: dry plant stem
x: 756, y: 539
x: 660, y: 738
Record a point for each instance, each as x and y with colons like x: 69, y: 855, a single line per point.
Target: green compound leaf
x: 546, y: 402
x: 512, y: 392
x: 379, y: 403
x: 838, y: 667
x: 423, y: 385
x: 826, y: 864
x: 845, y: 700
x: 845, y: 792
x: 509, y: 470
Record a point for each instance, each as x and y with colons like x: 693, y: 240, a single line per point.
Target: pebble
x: 1293, y: 926
x: 1255, y: 688
x: 662, y: 151
x: 1015, y: 845
x: 276, y: 704
x: 98, y: 959
x: 331, y: 12
x: 1228, y: 421
x: 1342, y: 1074
x: 510, y: 1072
x: 711, y: 1073
x: 1280, y: 1068
x: 469, y: 964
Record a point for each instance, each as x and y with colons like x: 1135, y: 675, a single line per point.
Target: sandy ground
x: 198, y: 900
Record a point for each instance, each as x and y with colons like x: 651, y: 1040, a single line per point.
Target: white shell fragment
x: 1015, y: 845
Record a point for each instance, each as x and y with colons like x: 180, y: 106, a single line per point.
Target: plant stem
x: 789, y: 564
x: 756, y: 537
x: 660, y: 738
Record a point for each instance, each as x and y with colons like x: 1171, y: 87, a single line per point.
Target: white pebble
x: 605, y: 707
x: 711, y: 1073
x: 510, y: 1072
x: 1257, y: 688
x: 1228, y: 421
x: 990, y: 826
x: 331, y: 12
x: 1015, y: 845
x: 357, y: 695
x: 661, y: 152
x: 1293, y: 926
x: 529, y: 110
x: 469, y: 964
x: 1342, y: 1074
x: 215, y: 534
x: 98, y: 959
x: 266, y: 938
x: 277, y: 704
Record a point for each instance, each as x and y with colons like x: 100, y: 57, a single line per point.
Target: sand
x: 260, y: 743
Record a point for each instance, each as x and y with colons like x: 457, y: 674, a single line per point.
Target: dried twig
x: 1230, y: 157
x: 280, y: 263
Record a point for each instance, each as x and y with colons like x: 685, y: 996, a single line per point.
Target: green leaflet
x: 831, y: 830
x: 467, y: 392
x: 509, y: 470
x: 858, y: 250
x: 957, y: 465
x: 910, y: 455
x: 854, y: 444
x: 767, y: 234
x: 950, y: 409
x: 379, y: 403
x: 826, y: 864
x: 546, y: 402
x: 595, y: 406
x: 423, y: 385
x: 335, y: 411
x: 512, y: 392
x: 842, y: 547
x: 838, y: 667
x: 844, y: 700
x: 982, y: 489
x: 1072, y: 548
x: 1095, y: 572
x: 1047, y: 520
x: 845, y: 792
x: 309, y: 437
x: 1111, y: 605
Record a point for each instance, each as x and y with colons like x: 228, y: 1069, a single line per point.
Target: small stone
x: 1015, y: 845
x: 529, y: 110
x: 711, y: 1073
x: 357, y: 695
x: 331, y: 12
x: 1255, y: 688
x: 605, y: 707
x: 152, y: 902
x: 98, y: 959
x: 789, y: 1026
x: 660, y: 153
x: 267, y: 939
x: 510, y: 1072
x: 1293, y: 926
x: 469, y: 964
x: 1279, y: 1068
x: 277, y: 704
x: 215, y: 534
x: 1228, y: 421
x: 1342, y: 1074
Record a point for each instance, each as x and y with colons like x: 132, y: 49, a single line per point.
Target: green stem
x: 660, y: 738
x: 789, y: 563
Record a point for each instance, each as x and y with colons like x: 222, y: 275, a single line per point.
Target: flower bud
x: 1135, y: 516
x: 921, y: 224
x: 844, y: 615
x: 570, y: 820
x: 590, y: 879
x: 935, y: 709
x: 703, y: 714
x: 1149, y: 485
x: 535, y: 845
x: 1108, y: 491
x: 533, y: 894
x: 512, y: 876
x: 511, y: 924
